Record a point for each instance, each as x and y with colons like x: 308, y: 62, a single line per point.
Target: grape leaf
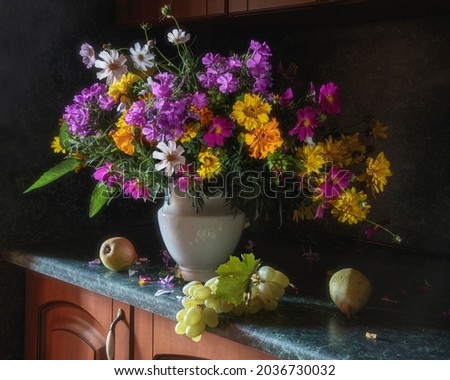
x: 237, y: 268
x: 54, y: 173
x: 234, y: 278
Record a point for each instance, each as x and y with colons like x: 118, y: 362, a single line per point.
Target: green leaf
x: 100, y: 196
x: 54, y: 173
x: 237, y: 268
x: 234, y: 278
x: 231, y: 289
x: 64, y: 136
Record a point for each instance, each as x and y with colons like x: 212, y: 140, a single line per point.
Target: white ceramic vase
x: 199, y: 241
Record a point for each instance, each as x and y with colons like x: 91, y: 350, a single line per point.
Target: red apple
x: 118, y: 254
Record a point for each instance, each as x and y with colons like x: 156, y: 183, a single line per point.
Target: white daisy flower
x: 88, y: 54
x: 170, y: 157
x: 112, y: 65
x: 141, y: 57
x: 178, y: 36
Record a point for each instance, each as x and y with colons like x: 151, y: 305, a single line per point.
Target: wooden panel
x: 182, y: 9
x: 50, y: 303
x: 134, y: 12
x: 235, y: 6
x: 143, y: 335
x: 170, y: 345
x: 254, y: 5
x: 68, y: 332
x: 215, y: 7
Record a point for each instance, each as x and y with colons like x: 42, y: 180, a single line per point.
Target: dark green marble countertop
x: 306, y: 325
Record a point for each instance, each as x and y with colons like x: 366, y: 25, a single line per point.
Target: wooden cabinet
x: 239, y: 6
x: 67, y: 322
x: 134, y: 12
x: 64, y: 321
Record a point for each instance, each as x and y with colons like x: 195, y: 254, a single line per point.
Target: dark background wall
x: 397, y: 68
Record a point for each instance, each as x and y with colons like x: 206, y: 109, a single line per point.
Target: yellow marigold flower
x: 379, y: 130
x: 251, y: 113
x: 264, y: 140
x: 334, y: 151
x: 377, y: 170
x: 311, y: 158
x: 209, y: 164
x: 121, y: 87
x: 190, y: 131
x: 56, y: 146
x: 354, y: 150
x: 351, y: 207
x: 123, y: 139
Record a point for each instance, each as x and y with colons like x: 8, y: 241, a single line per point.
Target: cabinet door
x: 168, y: 345
x: 64, y: 321
x: 254, y: 5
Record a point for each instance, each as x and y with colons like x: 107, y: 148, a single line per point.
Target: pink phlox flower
x: 167, y: 281
x: 306, y: 122
x: 219, y: 129
x: 227, y: 83
x: 337, y: 180
x: 329, y: 99
x: 163, y: 84
x: 285, y: 100
x: 135, y: 190
x: 136, y: 114
x: 88, y: 55
x: 210, y: 59
x: 234, y: 63
x: 261, y: 48
x: 199, y: 100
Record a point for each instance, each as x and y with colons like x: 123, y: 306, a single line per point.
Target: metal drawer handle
x: 110, y: 339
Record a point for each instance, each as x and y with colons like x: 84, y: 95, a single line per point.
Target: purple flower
x: 163, y: 89
x: 227, y: 83
x: 234, y: 63
x: 186, y: 175
x: 106, y: 174
x: 88, y: 55
x: 286, y: 99
x: 136, y: 190
x: 335, y: 182
x: 199, y: 100
x: 136, y: 114
x: 219, y: 129
x: 306, y: 122
x: 210, y: 59
x: 167, y: 281
x: 329, y: 100
x: 144, y: 280
x: 166, y: 258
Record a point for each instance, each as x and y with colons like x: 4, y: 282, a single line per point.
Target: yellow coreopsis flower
x: 190, y: 131
x: 379, y: 130
x: 120, y: 88
x: 252, y: 112
x: 334, y: 151
x: 304, y: 212
x: 56, y: 146
x: 209, y: 164
x: 311, y: 157
x: 123, y: 138
x: 354, y: 150
x: 377, y: 170
x: 264, y: 140
x: 351, y: 206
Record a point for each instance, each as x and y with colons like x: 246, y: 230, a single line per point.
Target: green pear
x: 118, y: 254
x: 349, y: 290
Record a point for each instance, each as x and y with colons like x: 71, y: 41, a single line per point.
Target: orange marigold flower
x: 264, y: 140
x: 123, y: 139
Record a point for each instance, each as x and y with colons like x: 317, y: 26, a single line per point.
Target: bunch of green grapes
x: 266, y: 287
x: 202, y: 306
x: 197, y: 312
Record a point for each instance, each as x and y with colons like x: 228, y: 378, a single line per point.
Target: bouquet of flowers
x: 213, y: 125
